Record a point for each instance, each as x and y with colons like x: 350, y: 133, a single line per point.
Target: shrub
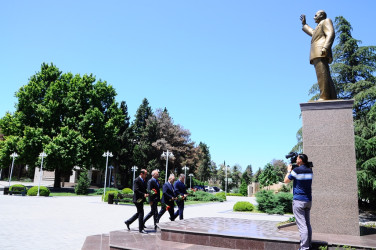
x: 127, y: 191
x: 270, y: 203
x: 203, y: 196
x: 221, y: 195
x: 243, y: 206
x: 110, y: 192
x: 83, y: 183
x: 16, y: 186
x: 43, y: 191
x: 285, y: 200
x: 285, y: 189
x: 100, y: 190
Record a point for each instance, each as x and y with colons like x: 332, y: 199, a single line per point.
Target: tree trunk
x: 57, y: 178
x: 116, y: 170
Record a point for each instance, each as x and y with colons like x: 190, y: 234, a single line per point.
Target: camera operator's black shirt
x: 302, y: 177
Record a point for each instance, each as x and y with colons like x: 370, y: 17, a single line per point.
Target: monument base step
x: 222, y: 233
x: 97, y: 242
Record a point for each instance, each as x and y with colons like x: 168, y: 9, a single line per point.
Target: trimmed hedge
x: 203, y: 196
x: 243, y: 206
x: 234, y: 194
x: 100, y: 190
x: 17, y: 186
x: 127, y: 191
x: 110, y: 192
x: 43, y: 191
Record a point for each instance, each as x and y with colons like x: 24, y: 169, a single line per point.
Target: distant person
x: 180, y: 194
x: 321, y: 52
x: 139, y: 196
x: 302, y: 200
x: 168, y: 198
x: 153, y: 184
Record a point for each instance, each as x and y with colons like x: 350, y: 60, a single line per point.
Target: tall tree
x: 204, y: 167
x: 236, y: 175
x: 144, y: 131
x: 256, y: 176
x: 280, y: 168
x: 175, y: 138
x: 123, y: 160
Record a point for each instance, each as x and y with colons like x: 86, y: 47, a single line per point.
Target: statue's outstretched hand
x: 303, y: 19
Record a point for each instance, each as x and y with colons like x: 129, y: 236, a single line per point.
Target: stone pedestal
x: 328, y: 140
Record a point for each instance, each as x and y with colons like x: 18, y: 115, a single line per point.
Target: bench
x: 18, y: 190
x: 121, y: 198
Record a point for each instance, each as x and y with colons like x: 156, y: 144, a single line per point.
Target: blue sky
x: 232, y: 72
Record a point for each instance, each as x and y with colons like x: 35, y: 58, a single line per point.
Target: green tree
x: 256, y: 176
x: 83, y: 184
x: 268, y: 176
x: 74, y: 119
x: 123, y: 158
x: 203, y: 171
x: 236, y: 175
x: 243, y: 188
x: 174, y: 138
x: 280, y: 168
x: 144, y: 132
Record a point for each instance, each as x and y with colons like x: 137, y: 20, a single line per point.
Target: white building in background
x: 48, y: 177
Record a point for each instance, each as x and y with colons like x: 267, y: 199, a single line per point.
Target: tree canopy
x: 73, y: 118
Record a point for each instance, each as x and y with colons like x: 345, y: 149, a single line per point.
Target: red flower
x: 167, y: 208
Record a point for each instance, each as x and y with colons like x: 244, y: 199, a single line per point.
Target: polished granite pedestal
x: 221, y: 233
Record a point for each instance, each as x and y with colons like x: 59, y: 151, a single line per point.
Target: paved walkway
x: 64, y: 222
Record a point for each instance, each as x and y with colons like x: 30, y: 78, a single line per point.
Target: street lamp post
x: 224, y: 164
x: 190, y: 180
x: 185, y: 168
x: 42, y: 155
x: 106, y: 154
x: 14, y: 155
x: 110, y: 177
x: 166, y: 155
x: 134, y: 168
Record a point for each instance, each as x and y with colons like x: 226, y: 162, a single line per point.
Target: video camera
x: 293, y: 157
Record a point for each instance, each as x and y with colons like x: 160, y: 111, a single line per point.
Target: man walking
x: 139, y: 195
x: 302, y: 201
x: 180, y: 194
x: 153, y: 186
x: 168, y: 198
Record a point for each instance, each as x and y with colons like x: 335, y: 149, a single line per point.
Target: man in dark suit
x: 168, y: 198
x: 139, y: 196
x: 153, y: 183
x: 180, y: 191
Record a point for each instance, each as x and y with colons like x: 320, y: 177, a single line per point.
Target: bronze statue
x: 321, y: 52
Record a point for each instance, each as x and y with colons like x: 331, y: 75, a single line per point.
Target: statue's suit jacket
x: 322, y: 36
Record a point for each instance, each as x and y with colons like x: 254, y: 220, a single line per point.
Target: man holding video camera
x: 302, y: 175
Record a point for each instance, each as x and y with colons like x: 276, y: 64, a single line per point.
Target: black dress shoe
x: 155, y: 227
x: 145, y: 226
x: 127, y: 224
x: 143, y: 232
